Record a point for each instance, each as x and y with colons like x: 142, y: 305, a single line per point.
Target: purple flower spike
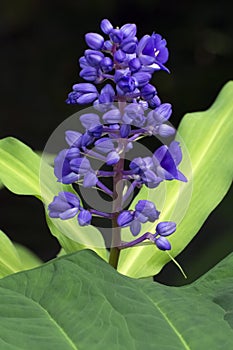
x: 64, y: 206
x: 94, y: 41
x: 166, y: 228
x: 84, y: 217
x: 162, y: 243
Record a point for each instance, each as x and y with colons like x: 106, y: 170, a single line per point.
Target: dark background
x: 40, y: 44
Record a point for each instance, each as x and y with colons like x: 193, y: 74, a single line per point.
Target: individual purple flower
x: 62, y: 169
x: 156, y: 119
x: 147, y: 209
x: 82, y: 93
x: 144, y: 172
x: 64, y: 206
x: 166, y: 159
x: 106, y: 146
x: 134, y: 115
x: 82, y: 167
x: 144, y: 211
x: 152, y: 51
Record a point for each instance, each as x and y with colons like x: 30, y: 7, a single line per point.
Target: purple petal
x: 84, y: 218
x: 68, y: 214
x: 125, y: 218
x: 89, y: 120
x: 135, y: 227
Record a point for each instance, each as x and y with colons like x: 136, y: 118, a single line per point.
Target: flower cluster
x: 123, y: 59
x: 121, y: 117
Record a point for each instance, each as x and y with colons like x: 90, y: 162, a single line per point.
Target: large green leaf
x: 14, y: 258
x: 23, y: 172
x: 80, y: 302
x: 207, y: 143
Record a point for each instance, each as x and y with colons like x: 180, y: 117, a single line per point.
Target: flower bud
x: 73, y: 138
x: 162, y: 243
x: 142, y: 78
x: 88, y: 73
x: 84, y: 88
x: 148, y: 91
x: 129, y: 30
x: 134, y: 65
x: 129, y: 45
x: 94, y: 41
x: 113, y: 116
x: 106, y: 64
x: 106, y: 26
x: 125, y: 130
x: 90, y: 179
x: 166, y: 228
x: 112, y: 158
x: 89, y: 120
x: 116, y: 36
x: 104, y: 145
x: 126, y: 84
x: 119, y: 56
x: 94, y: 57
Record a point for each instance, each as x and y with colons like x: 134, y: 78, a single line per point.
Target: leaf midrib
x: 69, y: 341
x: 170, y: 323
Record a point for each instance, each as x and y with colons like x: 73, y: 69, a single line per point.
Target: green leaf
x: 23, y: 172
x: 9, y: 259
x: 14, y: 257
x: 80, y: 302
x: 207, y: 143
x: 28, y: 259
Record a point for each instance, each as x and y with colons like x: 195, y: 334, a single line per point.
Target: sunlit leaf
x: 207, y: 142
x: 20, y: 172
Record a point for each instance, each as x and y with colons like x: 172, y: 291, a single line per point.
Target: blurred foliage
x: 40, y: 44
